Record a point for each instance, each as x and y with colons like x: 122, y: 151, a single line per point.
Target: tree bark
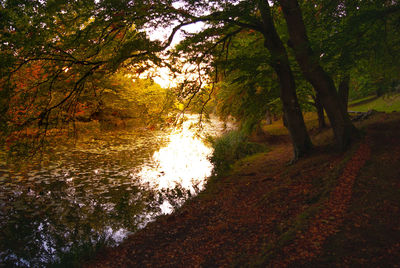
x: 268, y: 117
x: 343, y: 91
x: 280, y: 63
x: 320, y: 112
x: 343, y: 129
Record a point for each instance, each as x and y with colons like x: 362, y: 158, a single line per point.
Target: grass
x: 386, y: 103
x: 78, y: 254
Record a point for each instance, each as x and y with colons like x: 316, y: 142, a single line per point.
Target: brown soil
x: 326, y: 210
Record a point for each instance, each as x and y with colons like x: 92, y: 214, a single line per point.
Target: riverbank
x: 90, y: 191
x: 328, y: 209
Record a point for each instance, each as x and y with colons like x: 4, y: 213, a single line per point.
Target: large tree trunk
x: 320, y: 111
x: 343, y: 91
x: 280, y: 63
x: 343, y: 128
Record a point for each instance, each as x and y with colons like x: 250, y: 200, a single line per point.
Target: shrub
x: 229, y: 148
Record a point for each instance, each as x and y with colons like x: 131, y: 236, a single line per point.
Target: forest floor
x: 328, y: 209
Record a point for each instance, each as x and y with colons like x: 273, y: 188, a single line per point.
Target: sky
x: 163, y: 76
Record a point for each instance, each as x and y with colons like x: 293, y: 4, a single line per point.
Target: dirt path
x: 370, y: 233
x: 269, y: 214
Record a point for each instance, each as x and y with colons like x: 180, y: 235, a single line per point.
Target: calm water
x: 97, y: 191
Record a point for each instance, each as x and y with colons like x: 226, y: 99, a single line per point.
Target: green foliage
x: 359, y: 38
x: 249, y: 88
x: 229, y: 148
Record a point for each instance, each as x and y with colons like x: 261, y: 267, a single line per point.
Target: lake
x: 96, y: 190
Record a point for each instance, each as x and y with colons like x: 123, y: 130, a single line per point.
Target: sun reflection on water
x: 183, y: 162
x: 99, y: 191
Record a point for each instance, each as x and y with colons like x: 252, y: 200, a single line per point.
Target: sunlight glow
x: 164, y: 78
x: 183, y: 162
x: 162, y: 75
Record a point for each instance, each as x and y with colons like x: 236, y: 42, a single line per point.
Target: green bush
x: 229, y: 148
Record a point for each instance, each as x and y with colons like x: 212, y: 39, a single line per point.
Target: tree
x: 376, y: 69
x: 280, y: 63
x: 77, y: 43
x: 70, y: 45
x: 226, y: 19
x: 248, y: 88
x: 125, y: 97
x: 342, y: 126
